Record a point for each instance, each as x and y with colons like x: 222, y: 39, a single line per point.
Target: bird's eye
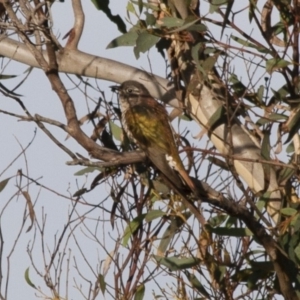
x: 129, y: 90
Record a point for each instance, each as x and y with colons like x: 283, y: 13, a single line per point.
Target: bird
x: 146, y: 122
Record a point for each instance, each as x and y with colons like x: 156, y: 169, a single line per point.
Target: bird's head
x: 130, y: 89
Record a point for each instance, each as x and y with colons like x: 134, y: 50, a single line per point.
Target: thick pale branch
x: 203, y: 106
x: 77, y: 62
x: 80, y: 63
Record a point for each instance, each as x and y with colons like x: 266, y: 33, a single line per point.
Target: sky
x: 44, y: 160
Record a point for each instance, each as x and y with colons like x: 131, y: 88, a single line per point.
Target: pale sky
x: 43, y: 157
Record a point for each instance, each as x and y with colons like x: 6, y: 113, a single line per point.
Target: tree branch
x: 76, y: 32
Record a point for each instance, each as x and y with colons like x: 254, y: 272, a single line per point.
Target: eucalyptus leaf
x: 87, y: 170
x: 154, y: 214
x: 103, y: 5
x: 274, y: 64
x: 177, y: 263
x: 131, y: 228
x: 288, y: 211
x: 171, y: 231
x: 27, y: 278
x: 293, y: 126
x: 102, y: 283
x: 116, y: 131
x: 140, y: 292
x: 127, y: 39
x: 144, y: 42
x: 196, y: 283
x: 2, y: 76
x: 224, y: 231
x: 170, y: 22
x: 260, y: 93
x: 3, y: 183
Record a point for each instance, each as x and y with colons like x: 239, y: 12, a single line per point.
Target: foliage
x: 249, y: 247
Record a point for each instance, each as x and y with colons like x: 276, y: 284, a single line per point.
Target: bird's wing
x: 160, y: 162
x: 150, y: 127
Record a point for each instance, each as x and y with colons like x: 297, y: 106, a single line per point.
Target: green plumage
x: 147, y: 123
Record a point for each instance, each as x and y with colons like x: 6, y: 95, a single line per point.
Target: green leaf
x: 271, y: 117
x: 210, y: 50
x: 262, y: 265
x: 185, y: 118
x: 226, y: 15
x: 2, y: 76
x: 285, y: 174
x: 266, y: 148
x: 242, y: 275
x: 252, y: 8
x: 195, y: 55
x: 296, y: 224
x: 131, y: 228
x: 293, y: 126
x: 281, y: 93
x: 104, y: 6
x: 176, y: 263
x: 250, y: 45
x: 230, y: 222
x: 80, y: 192
x: 224, y: 231
x: 238, y: 87
x: 170, y: 22
x: 144, y: 42
x: 140, y: 292
x: 87, y: 170
x: 102, y: 283
x: 274, y: 64
x: 218, y: 2
x: 216, y: 117
x: 189, y: 24
x: 288, y: 211
x: 140, y: 5
x: 263, y: 200
x: 290, y: 148
x: 217, y: 220
x: 260, y: 93
x: 159, y: 186
x: 262, y: 121
x: 127, y: 39
x: 209, y: 62
x: 197, y: 27
x: 154, y: 214
x: 218, y: 162
x: 169, y: 234
x: 116, y: 131
x: 3, y: 183
x: 260, y: 205
x: 29, y: 282
x: 130, y: 8
x: 197, y: 284
x: 150, y: 19
x: 253, y: 279
x: 147, y: 5
x: 297, y: 252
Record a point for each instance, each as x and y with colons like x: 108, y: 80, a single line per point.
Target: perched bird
x: 146, y: 122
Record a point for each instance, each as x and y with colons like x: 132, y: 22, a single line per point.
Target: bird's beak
x: 115, y: 88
